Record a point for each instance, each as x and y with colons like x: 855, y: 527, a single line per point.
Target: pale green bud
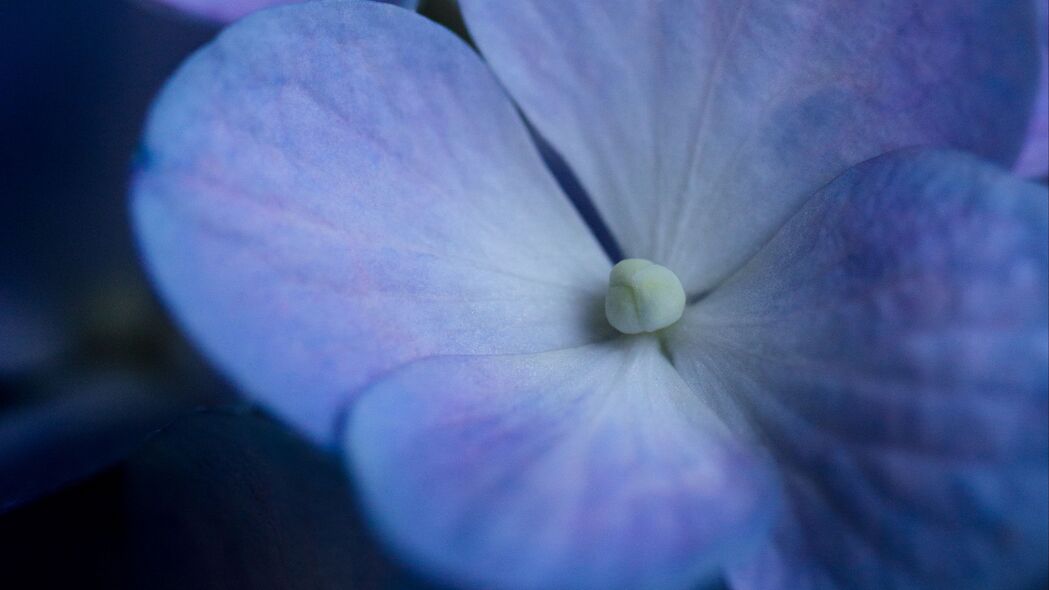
x: 643, y: 297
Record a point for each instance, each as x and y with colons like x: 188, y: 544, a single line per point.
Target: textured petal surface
x: 889, y: 345
x: 1034, y: 158
x: 593, y: 467
x: 334, y: 188
x: 230, y: 10
x: 699, y: 126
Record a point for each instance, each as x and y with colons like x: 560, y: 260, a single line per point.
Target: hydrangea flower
x: 345, y: 210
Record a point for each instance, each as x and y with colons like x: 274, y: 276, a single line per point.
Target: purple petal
x: 890, y: 346
x: 1034, y: 158
x: 698, y: 127
x: 230, y: 10
x: 335, y: 188
x: 594, y: 467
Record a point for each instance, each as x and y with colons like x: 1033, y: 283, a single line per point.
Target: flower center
x: 643, y: 297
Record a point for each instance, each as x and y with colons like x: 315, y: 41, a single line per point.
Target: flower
x: 345, y: 211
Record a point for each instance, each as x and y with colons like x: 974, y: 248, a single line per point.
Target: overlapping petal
x: 699, y: 126
x: 889, y: 345
x: 334, y: 188
x: 230, y: 10
x: 593, y: 467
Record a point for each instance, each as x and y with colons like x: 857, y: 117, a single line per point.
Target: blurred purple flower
x: 344, y: 209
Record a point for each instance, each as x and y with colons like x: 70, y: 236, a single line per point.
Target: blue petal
x: 593, y: 467
x: 889, y: 345
x: 230, y: 10
x: 334, y: 188
x: 699, y: 126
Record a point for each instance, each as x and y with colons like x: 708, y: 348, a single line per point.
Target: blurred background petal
x: 87, y: 425
x: 89, y: 365
x: 225, y: 11
x: 239, y: 501
x: 217, y: 500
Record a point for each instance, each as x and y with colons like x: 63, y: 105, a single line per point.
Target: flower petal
x: 334, y: 188
x: 890, y: 346
x: 593, y: 467
x: 230, y: 10
x: 1034, y: 158
x: 698, y: 126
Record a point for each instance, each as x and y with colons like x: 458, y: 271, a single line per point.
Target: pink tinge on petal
x: 334, y: 188
x: 594, y: 467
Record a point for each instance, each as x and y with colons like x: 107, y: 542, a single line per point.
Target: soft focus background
x: 125, y: 461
